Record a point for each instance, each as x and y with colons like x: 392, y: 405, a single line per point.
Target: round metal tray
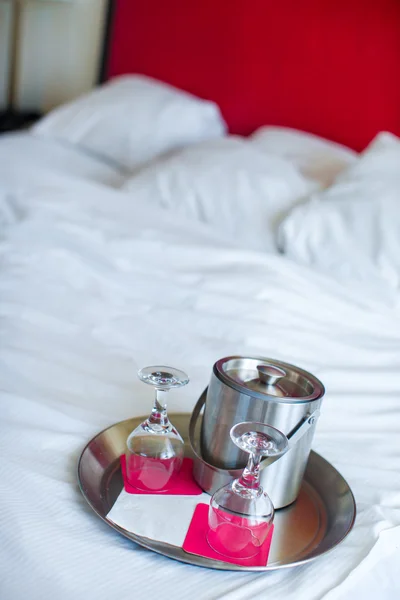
x: 319, y: 520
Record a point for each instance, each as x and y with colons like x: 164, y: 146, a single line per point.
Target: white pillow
x: 133, y: 119
x: 227, y: 183
x: 352, y: 230
x: 379, y: 159
x: 317, y: 158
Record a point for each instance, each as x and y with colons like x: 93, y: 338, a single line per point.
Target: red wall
x: 331, y: 67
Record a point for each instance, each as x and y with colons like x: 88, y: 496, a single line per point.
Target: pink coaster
x: 183, y: 484
x: 196, y: 541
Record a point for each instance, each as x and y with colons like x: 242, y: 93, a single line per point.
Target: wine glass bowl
x: 155, y: 448
x: 241, y: 513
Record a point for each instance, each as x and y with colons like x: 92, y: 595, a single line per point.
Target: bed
x: 102, y: 274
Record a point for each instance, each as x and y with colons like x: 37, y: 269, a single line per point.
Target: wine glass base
x: 154, y: 475
x: 235, y: 535
x: 233, y: 541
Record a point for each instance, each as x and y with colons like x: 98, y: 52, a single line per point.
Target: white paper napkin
x: 162, y: 518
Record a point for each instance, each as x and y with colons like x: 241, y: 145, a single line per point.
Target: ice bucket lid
x: 268, y: 378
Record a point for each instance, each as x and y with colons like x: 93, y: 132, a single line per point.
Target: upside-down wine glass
x: 155, y: 449
x: 241, y: 513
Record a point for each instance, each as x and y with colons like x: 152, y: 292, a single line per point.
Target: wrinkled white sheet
x: 91, y: 289
x: 227, y: 183
x: 27, y: 161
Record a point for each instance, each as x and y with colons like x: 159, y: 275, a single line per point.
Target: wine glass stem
x: 159, y: 413
x: 250, y: 477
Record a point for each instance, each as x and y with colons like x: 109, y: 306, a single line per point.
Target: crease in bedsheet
x: 380, y: 552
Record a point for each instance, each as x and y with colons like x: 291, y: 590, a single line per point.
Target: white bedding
x: 95, y: 283
x: 317, y: 158
x: 27, y: 161
x: 132, y: 119
x: 94, y: 286
x: 352, y: 230
x: 228, y: 183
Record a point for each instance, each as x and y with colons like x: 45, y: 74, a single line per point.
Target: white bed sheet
x: 93, y: 287
x: 27, y: 161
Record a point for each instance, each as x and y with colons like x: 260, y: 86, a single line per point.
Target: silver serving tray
x: 319, y: 520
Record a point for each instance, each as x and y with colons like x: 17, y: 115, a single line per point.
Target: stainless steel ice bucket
x: 258, y: 389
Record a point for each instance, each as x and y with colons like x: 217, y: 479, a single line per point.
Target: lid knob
x: 269, y: 374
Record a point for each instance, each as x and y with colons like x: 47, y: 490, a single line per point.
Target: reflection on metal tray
x: 320, y: 518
